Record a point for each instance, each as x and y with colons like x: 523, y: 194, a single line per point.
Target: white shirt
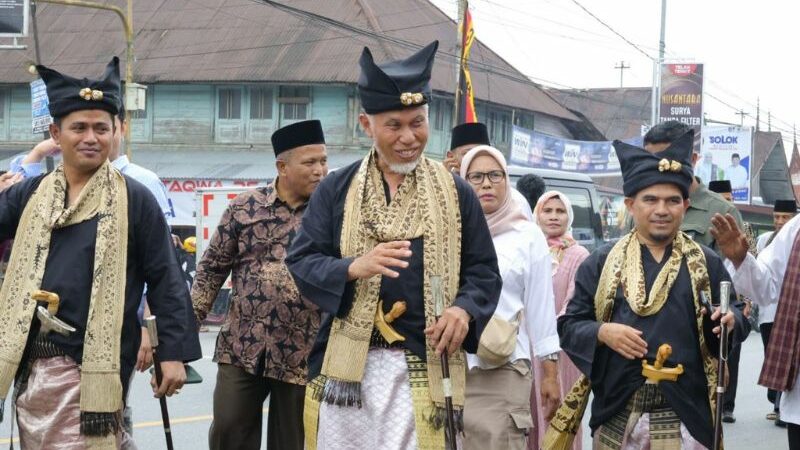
x: 523, y: 203
x: 766, y: 313
x: 527, y: 271
x: 145, y: 176
x: 761, y: 279
x: 738, y: 176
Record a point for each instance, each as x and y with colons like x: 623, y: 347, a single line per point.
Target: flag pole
x: 462, y: 14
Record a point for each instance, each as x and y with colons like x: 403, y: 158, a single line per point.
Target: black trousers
x: 773, y: 397
x: 729, y: 402
x: 794, y: 436
x: 238, y: 412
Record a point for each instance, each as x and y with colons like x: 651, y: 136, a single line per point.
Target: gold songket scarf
x: 425, y: 205
x: 624, y: 267
x: 105, y: 197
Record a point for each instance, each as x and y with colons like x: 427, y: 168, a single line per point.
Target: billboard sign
x: 14, y: 18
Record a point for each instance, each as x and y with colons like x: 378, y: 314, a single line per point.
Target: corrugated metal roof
x: 618, y: 113
x: 252, y: 41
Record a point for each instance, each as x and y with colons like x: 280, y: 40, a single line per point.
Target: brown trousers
x: 497, y: 408
x: 238, y: 412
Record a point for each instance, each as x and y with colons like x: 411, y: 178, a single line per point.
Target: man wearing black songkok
x: 375, y: 234
x: 264, y: 343
x: 91, y: 237
x: 630, y: 299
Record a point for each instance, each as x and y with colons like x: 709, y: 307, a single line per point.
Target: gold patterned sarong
x: 104, y: 197
x: 623, y: 267
x: 424, y: 206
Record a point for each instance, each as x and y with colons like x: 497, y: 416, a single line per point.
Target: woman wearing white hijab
x: 497, y: 409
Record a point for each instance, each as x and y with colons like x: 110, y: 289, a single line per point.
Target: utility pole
x: 621, y: 67
x: 656, y: 94
x: 741, y: 115
x: 769, y: 120
x: 127, y: 24
x: 462, y: 14
x: 758, y: 113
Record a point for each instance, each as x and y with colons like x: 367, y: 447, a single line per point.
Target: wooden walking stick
x: 450, y: 419
x: 724, y: 297
x: 152, y: 332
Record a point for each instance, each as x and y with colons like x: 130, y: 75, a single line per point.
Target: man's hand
x: 729, y: 320
x: 748, y: 309
x: 550, y: 391
x: 8, y: 179
x: 731, y: 240
x: 145, y: 357
x: 625, y: 340
x: 449, y: 331
x: 47, y: 147
x: 452, y: 163
x: 380, y: 260
x: 173, y: 375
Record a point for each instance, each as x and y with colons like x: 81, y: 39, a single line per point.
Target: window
x: 294, y: 102
x: 230, y: 103
x: 295, y: 94
x: 261, y: 103
x: 2, y: 103
x: 438, y: 114
x: 295, y: 111
x: 524, y: 120
x: 504, y: 127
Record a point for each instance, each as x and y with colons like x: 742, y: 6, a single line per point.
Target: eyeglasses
x: 495, y: 176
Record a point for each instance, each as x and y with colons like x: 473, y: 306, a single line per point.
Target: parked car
x: 587, y: 228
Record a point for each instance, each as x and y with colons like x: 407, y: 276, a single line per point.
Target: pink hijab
x: 509, y: 213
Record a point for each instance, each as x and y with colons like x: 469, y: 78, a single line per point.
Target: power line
x: 612, y: 30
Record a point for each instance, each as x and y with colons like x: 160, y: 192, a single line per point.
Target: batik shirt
x: 270, y: 328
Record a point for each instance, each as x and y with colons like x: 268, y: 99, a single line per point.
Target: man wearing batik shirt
x: 267, y: 335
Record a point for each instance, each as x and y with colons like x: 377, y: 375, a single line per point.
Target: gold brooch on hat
x: 665, y: 165
x: 91, y: 94
x: 411, y: 98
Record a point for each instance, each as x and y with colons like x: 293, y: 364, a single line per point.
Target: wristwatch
x: 550, y: 357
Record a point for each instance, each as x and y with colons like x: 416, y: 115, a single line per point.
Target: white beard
x: 400, y: 168
x: 404, y: 168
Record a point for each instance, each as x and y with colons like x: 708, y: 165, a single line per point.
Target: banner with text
x: 181, y: 196
x: 682, y: 95
x: 533, y: 149
x: 726, y: 154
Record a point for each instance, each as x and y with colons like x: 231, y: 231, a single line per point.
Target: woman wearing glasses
x: 497, y: 409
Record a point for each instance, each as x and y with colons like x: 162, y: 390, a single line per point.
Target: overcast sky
x: 750, y: 49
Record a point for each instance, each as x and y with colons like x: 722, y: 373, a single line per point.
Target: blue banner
x: 533, y: 149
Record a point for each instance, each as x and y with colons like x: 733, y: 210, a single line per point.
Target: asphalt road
x: 190, y: 411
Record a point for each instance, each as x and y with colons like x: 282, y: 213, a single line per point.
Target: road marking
x: 154, y: 423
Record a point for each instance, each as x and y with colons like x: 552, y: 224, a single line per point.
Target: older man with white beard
x: 373, y: 236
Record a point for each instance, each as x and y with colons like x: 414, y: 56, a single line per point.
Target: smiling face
x: 553, y: 218
x: 399, y: 137
x: 85, y: 138
x: 488, y: 180
x: 657, y: 211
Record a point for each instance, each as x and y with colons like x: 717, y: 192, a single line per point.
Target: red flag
x: 466, y: 109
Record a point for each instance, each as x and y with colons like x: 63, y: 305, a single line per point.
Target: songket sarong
x: 386, y: 418
x: 647, y: 422
x: 48, y: 410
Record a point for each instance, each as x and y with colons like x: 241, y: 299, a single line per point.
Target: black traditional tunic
x: 320, y: 272
x: 151, y: 259
x: 614, y: 378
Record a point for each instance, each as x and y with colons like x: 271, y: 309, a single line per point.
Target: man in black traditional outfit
x: 634, y: 296
x: 93, y: 237
x: 373, y: 236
